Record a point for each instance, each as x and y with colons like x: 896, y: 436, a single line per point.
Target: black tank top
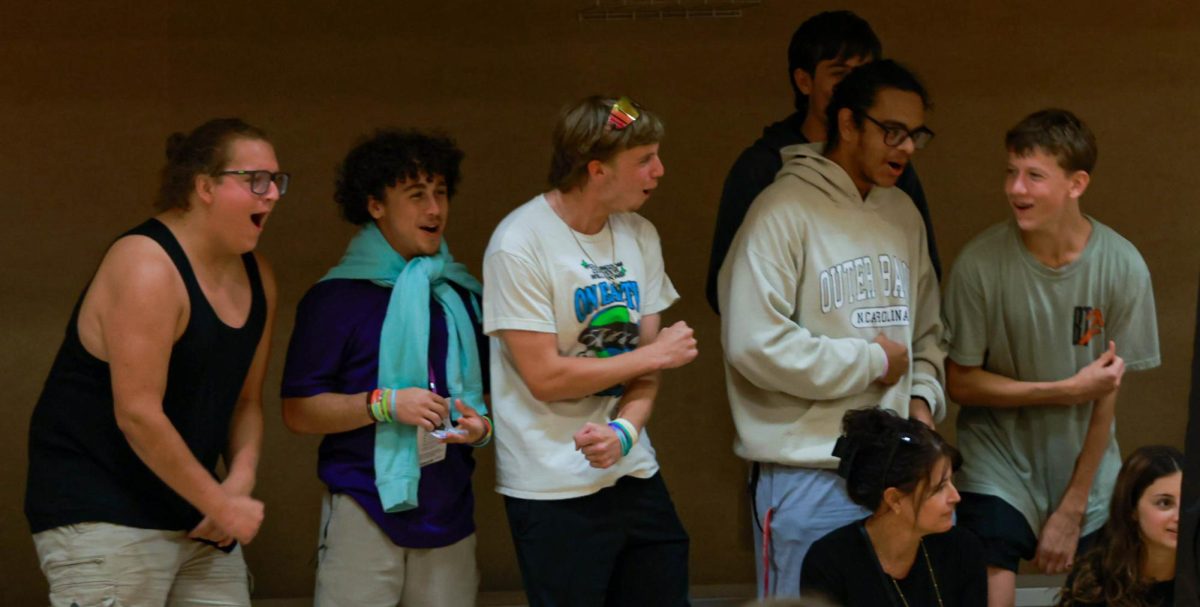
x: 81, y: 467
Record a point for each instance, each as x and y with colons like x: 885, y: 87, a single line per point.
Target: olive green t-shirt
x: 1007, y: 312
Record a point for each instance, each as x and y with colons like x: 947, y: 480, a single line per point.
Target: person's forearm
x: 638, y: 401
x: 158, y: 444
x: 245, y: 445
x: 976, y: 387
x: 557, y: 377
x: 326, y: 413
x: 1095, y: 443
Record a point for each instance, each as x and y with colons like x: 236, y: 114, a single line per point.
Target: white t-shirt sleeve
x: 516, y: 295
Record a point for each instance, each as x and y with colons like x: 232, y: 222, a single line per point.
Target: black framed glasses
x: 623, y: 113
x: 895, y: 134
x: 260, y: 180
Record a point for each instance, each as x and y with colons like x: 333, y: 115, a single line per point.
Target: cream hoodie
x: 813, y: 275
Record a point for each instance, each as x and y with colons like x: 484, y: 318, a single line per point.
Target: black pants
x: 622, y: 546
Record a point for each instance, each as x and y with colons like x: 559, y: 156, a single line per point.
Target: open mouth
x: 429, y: 229
x: 258, y: 219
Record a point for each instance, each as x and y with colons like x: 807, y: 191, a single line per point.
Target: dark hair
x: 1110, y: 573
x: 204, y: 151
x: 859, y: 90
x: 825, y: 36
x: 389, y: 156
x: 582, y: 134
x: 1056, y: 132
x: 880, y: 449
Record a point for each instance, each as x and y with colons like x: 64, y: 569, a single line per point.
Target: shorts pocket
x: 80, y: 582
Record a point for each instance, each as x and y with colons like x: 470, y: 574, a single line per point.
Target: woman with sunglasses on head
x: 907, y: 552
x: 161, y: 373
x: 1133, y: 561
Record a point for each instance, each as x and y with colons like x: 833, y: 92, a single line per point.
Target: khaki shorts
x: 360, y: 566
x: 106, y: 565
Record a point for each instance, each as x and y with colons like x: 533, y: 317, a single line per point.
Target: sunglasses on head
x: 623, y: 113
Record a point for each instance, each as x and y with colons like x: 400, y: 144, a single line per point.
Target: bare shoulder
x: 137, y: 272
x: 137, y: 291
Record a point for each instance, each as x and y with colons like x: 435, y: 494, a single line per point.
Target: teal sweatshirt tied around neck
x: 404, y: 346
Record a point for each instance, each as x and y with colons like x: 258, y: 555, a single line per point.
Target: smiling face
x: 240, y: 214
x: 412, y: 216
x: 862, y: 152
x: 1042, y: 195
x: 626, y: 180
x: 1158, y: 513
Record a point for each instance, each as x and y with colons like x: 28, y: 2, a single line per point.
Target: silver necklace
x: 612, y: 272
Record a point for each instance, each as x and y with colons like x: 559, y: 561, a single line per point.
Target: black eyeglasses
x: 260, y: 180
x: 902, y: 438
x: 895, y: 134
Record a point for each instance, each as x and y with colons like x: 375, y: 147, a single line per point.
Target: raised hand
x: 676, y: 345
x: 1101, y: 376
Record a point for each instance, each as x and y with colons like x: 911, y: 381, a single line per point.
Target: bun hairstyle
x: 879, y: 449
x: 204, y: 151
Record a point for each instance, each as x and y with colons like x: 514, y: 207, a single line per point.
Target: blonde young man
x: 574, y: 286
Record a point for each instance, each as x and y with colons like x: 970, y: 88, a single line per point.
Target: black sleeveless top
x: 81, y: 467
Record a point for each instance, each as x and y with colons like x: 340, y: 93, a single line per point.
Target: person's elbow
x: 294, y: 418
x: 959, y: 385
x: 543, y: 387
x: 135, y: 421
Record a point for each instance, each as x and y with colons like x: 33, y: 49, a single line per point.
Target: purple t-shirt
x: 335, y: 348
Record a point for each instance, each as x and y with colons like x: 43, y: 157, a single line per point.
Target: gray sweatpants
x: 805, y: 504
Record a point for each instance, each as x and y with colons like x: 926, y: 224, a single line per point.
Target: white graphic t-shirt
x: 591, y: 291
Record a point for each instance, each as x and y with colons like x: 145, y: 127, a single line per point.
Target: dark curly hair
x: 389, y: 156
x: 859, y: 89
x: 204, y: 151
x: 1110, y: 573
x: 880, y: 449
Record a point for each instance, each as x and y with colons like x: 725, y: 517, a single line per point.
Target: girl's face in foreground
x: 1158, y: 513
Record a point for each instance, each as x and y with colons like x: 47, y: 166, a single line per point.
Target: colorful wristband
x: 622, y: 437
x: 626, y: 434
x: 629, y: 429
x: 380, y: 405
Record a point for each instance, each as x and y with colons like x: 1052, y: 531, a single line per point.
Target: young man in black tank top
x: 161, y: 373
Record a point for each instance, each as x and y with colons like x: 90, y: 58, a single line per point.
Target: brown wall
x: 89, y: 91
